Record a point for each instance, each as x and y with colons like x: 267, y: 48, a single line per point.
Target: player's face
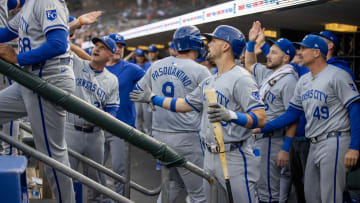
x: 119, y: 51
x: 298, y: 59
x: 140, y: 59
x: 214, y: 50
x: 152, y: 56
x: 101, y: 53
x: 275, y: 58
x: 307, y: 55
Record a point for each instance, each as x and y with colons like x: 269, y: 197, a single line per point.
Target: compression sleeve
x: 354, y: 110
x: 289, y: 117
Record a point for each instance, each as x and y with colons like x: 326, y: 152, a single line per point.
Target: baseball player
x: 128, y: 74
x: 42, y: 28
x: 97, y: 86
x: 140, y: 59
x: 277, y: 82
x: 238, y: 107
x: 177, y: 77
x: 172, y: 51
x: 11, y: 128
x: 330, y: 100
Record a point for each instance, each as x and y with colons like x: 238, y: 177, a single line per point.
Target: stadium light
x: 131, y: 48
x: 341, y: 27
x: 143, y: 47
x: 159, y: 46
x: 270, y: 33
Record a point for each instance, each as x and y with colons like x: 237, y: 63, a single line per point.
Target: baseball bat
x: 217, y: 128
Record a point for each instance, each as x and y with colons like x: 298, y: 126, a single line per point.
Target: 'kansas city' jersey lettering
x: 92, y: 87
x: 324, y: 98
x: 174, y: 77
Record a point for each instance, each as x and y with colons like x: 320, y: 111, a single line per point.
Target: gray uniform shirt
x: 278, y: 97
x: 324, y: 99
x: 236, y: 90
x: 174, y: 77
x: 3, y: 13
x: 99, y: 88
x: 36, y: 18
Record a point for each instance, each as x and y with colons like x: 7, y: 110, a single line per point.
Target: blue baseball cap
x: 172, y: 45
x: 152, y: 48
x: 314, y: 42
x: 286, y: 46
x: 109, y: 43
x: 330, y: 36
x: 139, y: 52
x: 118, y: 38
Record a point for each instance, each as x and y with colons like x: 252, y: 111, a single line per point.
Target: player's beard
x: 273, y: 65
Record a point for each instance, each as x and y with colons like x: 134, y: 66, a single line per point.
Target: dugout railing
x: 167, y: 156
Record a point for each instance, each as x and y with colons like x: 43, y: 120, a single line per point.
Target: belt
x: 319, y: 138
x: 62, y: 61
x: 264, y: 135
x: 89, y: 129
x: 213, y: 148
x: 301, y: 139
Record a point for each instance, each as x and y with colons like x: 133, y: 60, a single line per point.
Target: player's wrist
x: 157, y: 100
x: 80, y: 21
x: 241, y: 119
x: 287, y: 144
x: 250, y: 46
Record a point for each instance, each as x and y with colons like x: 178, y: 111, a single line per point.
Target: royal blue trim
x: 11, y: 134
x: 201, y: 145
x: 254, y: 69
x: 192, y: 106
x: 46, y: 140
x: 173, y: 104
x: 256, y: 107
x: 93, y: 69
x: 55, y: 26
x: 268, y: 169
x: 9, y: 80
x: 351, y: 100
x: 296, y: 106
x: 336, y: 159
x: 246, y: 178
x: 12, y: 30
x: 138, y: 87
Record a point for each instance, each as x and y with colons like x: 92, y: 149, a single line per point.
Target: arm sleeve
x: 6, y: 35
x: 139, y: 73
x: 354, y: 113
x: 345, y: 88
x: 289, y: 117
x: 195, y: 98
x: 113, y: 103
x: 246, y: 93
x: 55, y: 45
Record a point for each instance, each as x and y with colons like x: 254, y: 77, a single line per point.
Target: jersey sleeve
x: 3, y: 13
x: 146, y: 80
x: 288, y: 90
x: 260, y: 71
x: 114, y: 98
x: 195, y: 98
x: 14, y: 23
x: 52, y: 15
x: 345, y: 88
x: 204, y: 74
x: 295, y: 101
x: 138, y: 73
x: 246, y: 93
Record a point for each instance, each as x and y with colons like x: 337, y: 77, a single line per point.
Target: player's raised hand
x: 217, y: 113
x: 143, y: 96
x: 282, y: 158
x: 8, y: 53
x: 90, y: 18
x: 351, y: 158
x: 254, y: 31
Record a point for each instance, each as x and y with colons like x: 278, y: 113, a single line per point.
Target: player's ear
x: 226, y: 47
x: 286, y: 59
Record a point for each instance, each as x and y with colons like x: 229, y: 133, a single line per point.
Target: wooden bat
x: 217, y: 128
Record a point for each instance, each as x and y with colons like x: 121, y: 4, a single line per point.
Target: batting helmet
x: 117, y: 38
x: 139, y: 52
x: 152, y: 48
x: 231, y: 35
x: 189, y: 38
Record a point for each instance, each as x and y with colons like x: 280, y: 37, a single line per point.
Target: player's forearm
x: 289, y: 117
x: 73, y: 25
x: 172, y: 104
x: 6, y: 35
x: 80, y: 52
x: 250, y: 57
x: 253, y: 119
x: 128, y: 57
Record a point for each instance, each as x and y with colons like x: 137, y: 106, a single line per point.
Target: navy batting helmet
x: 152, y: 48
x: 189, y: 38
x: 231, y: 35
x: 117, y: 38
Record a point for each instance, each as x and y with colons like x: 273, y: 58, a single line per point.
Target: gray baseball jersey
x: 237, y: 91
x: 49, y: 15
x: 100, y: 89
x: 324, y: 99
x: 174, y: 77
x: 31, y: 24
x: 3, y: 13
x: 276, y: 102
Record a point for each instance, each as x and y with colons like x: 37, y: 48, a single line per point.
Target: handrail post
x: 127, y: 169
x: 165, y: 184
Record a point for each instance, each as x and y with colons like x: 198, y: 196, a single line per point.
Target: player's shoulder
x: 241, y: 72
x: 110, y: 76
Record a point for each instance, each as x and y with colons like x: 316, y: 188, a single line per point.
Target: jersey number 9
x: 168, y: 89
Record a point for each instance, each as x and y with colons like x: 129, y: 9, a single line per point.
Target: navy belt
x: 213, y: 148
x: 89, y: 129
x: 301, y: 139
x: 319, y: 138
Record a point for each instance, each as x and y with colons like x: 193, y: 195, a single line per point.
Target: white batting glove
x: 217, y: 113
x: 144, y: 96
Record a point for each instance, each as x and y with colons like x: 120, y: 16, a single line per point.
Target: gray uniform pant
x: 48, y: 126
x: 188, y: 145
x: 90, y: 145
x: 268, y: 185
x: 11, y: 129
x: 325, y: 172
x: 243, y: 172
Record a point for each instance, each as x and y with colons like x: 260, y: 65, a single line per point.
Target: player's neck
x: 97, y: 66
x: 113, y: 62
x: 224, y: 65
x: 317, y: 66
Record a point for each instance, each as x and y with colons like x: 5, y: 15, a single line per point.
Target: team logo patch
x: 255, y: 94
x: 51, y: 14
x: 352, y: 86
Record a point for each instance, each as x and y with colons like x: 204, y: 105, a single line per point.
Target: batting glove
x: 144, y: 96
x: 217, y: 113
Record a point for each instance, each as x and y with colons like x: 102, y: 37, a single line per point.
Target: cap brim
x: 301, y: 44
x: 208, y: 36
x: 96, y: 39
x: 272, y: 41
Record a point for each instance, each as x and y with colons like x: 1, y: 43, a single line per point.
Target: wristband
x: 255, y: 120
x: 287, y: 144
x: 250, y: 46
x: 265, y: 49
x: 173, y: 104
x: 241, y: 119
x: 158, y: 100
x: 80, y: 22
